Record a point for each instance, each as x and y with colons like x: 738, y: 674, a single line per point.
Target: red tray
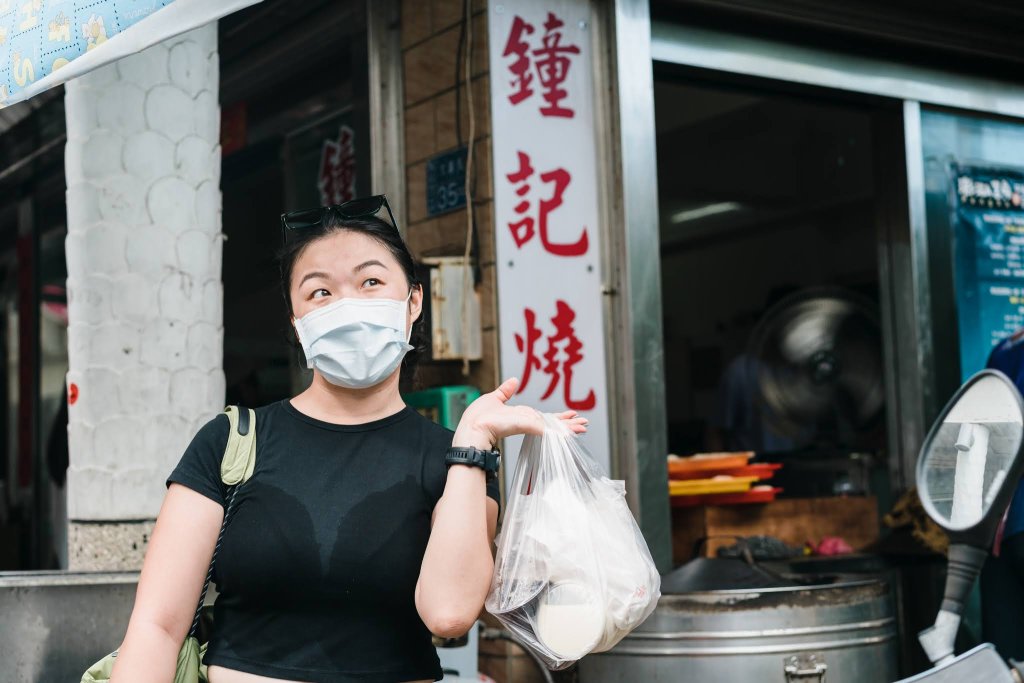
x: 757, y: 495
x: 761, y: 470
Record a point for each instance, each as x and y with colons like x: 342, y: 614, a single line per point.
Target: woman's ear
x: 415, y: 303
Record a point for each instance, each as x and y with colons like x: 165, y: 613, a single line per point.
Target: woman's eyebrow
x: 314, y: 274
x: 367, y: 264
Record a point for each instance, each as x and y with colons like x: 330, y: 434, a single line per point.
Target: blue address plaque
x: 446, y: 182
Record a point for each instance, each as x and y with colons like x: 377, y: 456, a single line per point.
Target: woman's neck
x: 340, y: 405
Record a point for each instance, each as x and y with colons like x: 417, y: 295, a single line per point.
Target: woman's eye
x: 320, y: 293
x: 371, y: 282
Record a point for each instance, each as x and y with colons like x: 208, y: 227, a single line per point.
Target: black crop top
x: 320, y: 558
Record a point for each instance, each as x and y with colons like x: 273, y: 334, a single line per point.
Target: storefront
x: 783, y: 167
x: 724, y: 157
x: 755, y: 157
x: 803, y: 159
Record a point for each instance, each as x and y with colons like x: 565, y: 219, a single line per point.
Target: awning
x: 44, y: 43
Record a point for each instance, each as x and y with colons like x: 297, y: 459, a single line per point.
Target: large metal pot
x: 790, y: 634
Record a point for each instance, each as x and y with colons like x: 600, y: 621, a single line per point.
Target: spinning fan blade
x: 819, y: 365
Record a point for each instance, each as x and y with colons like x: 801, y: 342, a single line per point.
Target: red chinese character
x: 553, y: 67
x: 337, y: 182
x: 523, y: 229
x: 526, y: 345
x: 560, y: 177
x: 559, y: 370
x: 521, y: 67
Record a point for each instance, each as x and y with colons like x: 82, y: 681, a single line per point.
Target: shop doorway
x: 767, y: 201
x: 295, y: 133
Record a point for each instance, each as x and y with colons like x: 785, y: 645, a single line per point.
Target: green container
x: 443, y: 405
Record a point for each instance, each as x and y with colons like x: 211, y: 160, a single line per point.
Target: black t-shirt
x: 320, y: 558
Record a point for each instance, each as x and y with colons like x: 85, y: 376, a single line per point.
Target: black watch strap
x: 488, y: 461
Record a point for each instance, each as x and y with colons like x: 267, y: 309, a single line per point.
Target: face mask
x: 355, y: 343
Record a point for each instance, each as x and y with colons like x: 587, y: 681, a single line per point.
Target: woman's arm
x: 172, y: 577
x: 457, y: 565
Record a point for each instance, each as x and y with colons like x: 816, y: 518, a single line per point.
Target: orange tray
x: 761, y: 470
x: 704, y: 462
x: 754, y: 495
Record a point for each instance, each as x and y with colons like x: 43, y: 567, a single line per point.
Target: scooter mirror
x: 971, y: 459
x: 969, y: 467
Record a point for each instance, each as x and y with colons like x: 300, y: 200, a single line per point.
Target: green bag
x: 235, y: 469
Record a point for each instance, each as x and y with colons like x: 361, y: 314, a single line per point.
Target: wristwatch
x: 488, y: 461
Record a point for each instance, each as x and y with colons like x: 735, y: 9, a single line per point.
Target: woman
x: 352, y: 541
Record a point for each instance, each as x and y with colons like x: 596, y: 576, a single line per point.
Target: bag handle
x: 235, y: 469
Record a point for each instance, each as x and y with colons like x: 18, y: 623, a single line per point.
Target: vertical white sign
x: 550, y: 309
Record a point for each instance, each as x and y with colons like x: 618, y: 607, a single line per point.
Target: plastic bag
x: 573, y: 574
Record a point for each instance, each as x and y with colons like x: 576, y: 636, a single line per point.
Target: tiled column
x: 145, y: 332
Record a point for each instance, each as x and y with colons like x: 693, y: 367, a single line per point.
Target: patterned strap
x: 213, y: 560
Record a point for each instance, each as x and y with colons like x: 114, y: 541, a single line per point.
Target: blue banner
x: 988, y: 256
x: 44, y: 43
x: 42, y: 36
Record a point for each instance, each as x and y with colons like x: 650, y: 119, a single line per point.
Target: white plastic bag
x: 573, y: 574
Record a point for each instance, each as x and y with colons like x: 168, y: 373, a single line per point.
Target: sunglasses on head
x: 303, y: 219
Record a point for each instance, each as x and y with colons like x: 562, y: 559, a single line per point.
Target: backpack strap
x: 236, y: 468
x: 240, y: 452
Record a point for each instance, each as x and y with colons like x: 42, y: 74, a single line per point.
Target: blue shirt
x: 1008, y: 356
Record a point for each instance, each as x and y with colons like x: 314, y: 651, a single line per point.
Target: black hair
x: 375, y: 228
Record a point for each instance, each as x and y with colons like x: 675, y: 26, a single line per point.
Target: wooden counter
x: 793, y: 520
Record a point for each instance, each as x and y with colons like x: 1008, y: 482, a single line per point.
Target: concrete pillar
x: 145, y: 300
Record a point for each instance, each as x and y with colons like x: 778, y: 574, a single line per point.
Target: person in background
x: 739, y: 421
x: 1002, y: 578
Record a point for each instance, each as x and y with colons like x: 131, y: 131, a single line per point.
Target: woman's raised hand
x: 490, y: 418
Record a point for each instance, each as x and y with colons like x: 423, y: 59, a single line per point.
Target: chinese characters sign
x: 323, y: 161
x: 337, y: 178
x: 523, y: 228
x: 557, y: 371
x: 550, y: 297
x: 988, y: 245
x: 550, y: 62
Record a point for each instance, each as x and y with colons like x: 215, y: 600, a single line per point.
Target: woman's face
x: 349, y: 265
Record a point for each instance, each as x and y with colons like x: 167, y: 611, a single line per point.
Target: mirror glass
x: 965, y: 464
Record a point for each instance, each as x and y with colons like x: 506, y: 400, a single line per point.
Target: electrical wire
x: 467, y: 282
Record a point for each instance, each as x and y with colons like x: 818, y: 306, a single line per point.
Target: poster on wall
x: 988, y: 255
x: 44, y: 43
x: 550, y: 301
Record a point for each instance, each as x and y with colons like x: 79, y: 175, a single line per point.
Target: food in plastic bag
x: 573, y: 574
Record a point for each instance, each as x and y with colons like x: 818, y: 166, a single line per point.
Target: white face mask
x: 355, y: 343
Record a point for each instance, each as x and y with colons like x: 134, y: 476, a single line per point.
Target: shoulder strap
x: 240, y: 452
x: 235, y: 469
